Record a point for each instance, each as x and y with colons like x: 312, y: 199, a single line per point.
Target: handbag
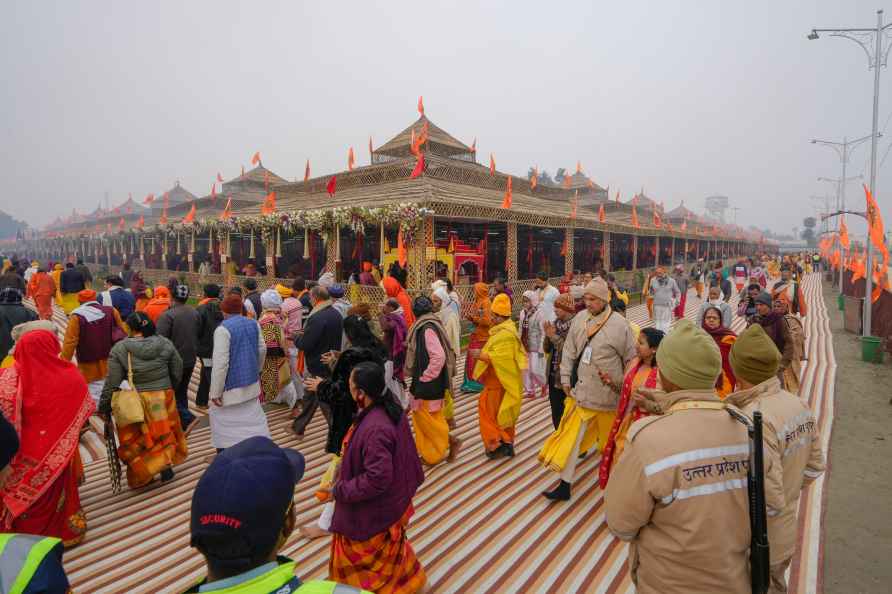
x: 284, y: 373
x: 127, y: 405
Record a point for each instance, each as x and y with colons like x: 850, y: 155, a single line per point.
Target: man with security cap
x: 240, y: 528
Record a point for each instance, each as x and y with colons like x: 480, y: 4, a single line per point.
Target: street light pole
x: 876, y: 57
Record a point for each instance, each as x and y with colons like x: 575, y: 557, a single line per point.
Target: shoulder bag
x: 127, y: 405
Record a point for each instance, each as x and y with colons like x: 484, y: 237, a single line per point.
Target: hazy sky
x: 686, y: 99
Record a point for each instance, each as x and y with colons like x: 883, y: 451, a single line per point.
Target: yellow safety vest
x: 20, y: 556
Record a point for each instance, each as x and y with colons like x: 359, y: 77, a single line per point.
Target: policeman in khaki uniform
x: 793, y: 455
x: 678, y: 493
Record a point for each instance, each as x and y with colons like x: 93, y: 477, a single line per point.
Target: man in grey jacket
x: 665, y: 293
x: 180, y: 324
x: 598, y: 346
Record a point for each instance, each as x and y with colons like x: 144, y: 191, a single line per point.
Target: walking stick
x: 114, y: 463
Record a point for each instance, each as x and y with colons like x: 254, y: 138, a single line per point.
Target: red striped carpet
x: 480, y: 525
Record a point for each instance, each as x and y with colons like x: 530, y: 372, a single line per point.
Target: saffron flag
x: 121, y: 224
x: 255, y: 160
x: 506, y: 202
x: 635, y: 217
x: 140, y: 222
x: 534, y: 181
x: 421, y: 105
x: 332, y: 185
x: 419, y: 166
x: 684, y: 224
x: 370, y: 149
x: 190, y: 218
x: 578, y: 167
x: 474, y: 146
x: 163, y: 219
x: 219, y: 177
x: 492, y: 164
x: 269, y: 205
x: 874, y: 222
x: 351, y: 159
x: 149, y: 199
x: 214, y: 191
x: 843, y: 232
x: 566, y: 181
x: 227, y: 211
x: 617, y: 196
x: 658, y: 222
x: 451, y: 248
x: 401, y: 248
x: 602, y: 216
x: 307, y: 171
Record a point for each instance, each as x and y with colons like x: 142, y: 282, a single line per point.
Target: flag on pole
x: 269, y: 204
x: 332, y: 185
x: 843, y: 232
x: 149, y: 199
x: 121, y: 224
x: 474, y: 146
x: 578, y: 166
x: 421, y: 105
x: 219, y: 177
x: 214, y: 191
x: 255, y: 160
x: 227, y: 211
x: 602, y: 216
x: 506, y: 202
x: 370, y: 149
x: 140, y: 222
x: 534, y: 181
x: 635, y: 217
x: 190, y: 218
x: 351, y: 159
x: 307, y: 171
x: 163, y: 219
x: 419, y: 166
x: 566, y: 181
x: 492, y: 164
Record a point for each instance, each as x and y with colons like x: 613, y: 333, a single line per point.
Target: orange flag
x: 874, y: 222
x: 419, y: 166
x: 269, y: 205
x: 566, y: 182
x: 214, y: 191
x: 332, y: 185
x: 401, y: 248
x: 140, y: 222
x: 163, y: 219
x: 121, y: 224
x: 684, y: 224
x: 421, y: 105
x: 617, y: 196
x: 578, y: 167
x: 843, y: 232
x: 564, y: 247
x: 307, y: 171
x: 255, y: 160
x: 190, y: 218
x: 149, y: 199
x: 451, y: 248
x: 219, y: 177
x: 351, y: 160
x: 370, y: 149
x: 658, y: 222
x: 506, y: 203
x: 635, y: 217
x: 227, y: 211
x: 602, y: 216
x: 492, y: 164
x: 534, y: 181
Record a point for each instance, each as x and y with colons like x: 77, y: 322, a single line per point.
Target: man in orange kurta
x: 42, y: 288
x: 96, y: 370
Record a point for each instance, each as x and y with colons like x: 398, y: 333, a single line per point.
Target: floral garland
x: 408, y: 215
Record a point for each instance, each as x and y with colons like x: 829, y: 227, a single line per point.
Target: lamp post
x: 876, y: 57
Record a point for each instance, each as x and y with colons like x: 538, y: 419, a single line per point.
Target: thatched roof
x: 439, y: 142
x: 176, y: 195
x: 680, y: 213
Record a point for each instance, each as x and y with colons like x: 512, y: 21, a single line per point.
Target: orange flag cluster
x: 269, y: 204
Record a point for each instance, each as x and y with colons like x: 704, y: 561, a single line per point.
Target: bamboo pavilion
x: 424, y: 199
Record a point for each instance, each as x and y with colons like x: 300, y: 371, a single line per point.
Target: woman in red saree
x: 642, y: 373
x: 41, y: 495
x: 724, y: 337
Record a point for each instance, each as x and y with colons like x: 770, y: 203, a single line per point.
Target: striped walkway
x: 481, y: 525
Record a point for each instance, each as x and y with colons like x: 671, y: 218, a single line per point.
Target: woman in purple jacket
x: 379, y: 474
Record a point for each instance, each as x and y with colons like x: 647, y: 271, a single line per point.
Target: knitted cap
x: 754, y: 356
x: 764, y: 298
x: 270, y: 299
x: 181, y: 293
x: 232, y: 304
x: 565, y: 302
x: 501, y: 305
x: 689, y: 357
x: 86, y: 295
x: 597, y: 287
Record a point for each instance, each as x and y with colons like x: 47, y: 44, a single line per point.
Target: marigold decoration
x: 351, y: 159
x: 419, y: 166
x: 255, y: 160
x: 413, y: 146
x: 602, y: 216
x: 506, y: 202
x: 492, y: 165
x: 307, y: 172
x: 635, y: 217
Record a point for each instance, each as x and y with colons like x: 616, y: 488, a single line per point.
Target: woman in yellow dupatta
x: 499, y: 367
